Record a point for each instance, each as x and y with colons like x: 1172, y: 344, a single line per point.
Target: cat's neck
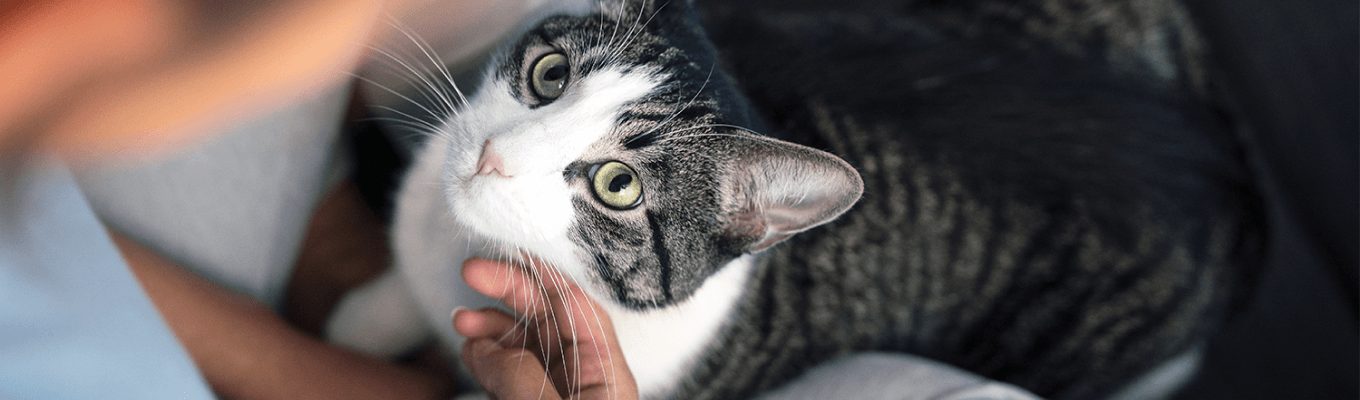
x: 661, y: 345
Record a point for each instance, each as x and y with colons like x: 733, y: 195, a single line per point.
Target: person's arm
x: 246, y: 352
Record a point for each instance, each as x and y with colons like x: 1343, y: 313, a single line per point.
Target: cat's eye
x: 616, y: 185
x: 549, y: 77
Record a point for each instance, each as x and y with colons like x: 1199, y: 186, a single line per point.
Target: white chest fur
x: 662, y: 345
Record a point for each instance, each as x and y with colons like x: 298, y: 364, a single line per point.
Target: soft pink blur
x: 94, y: 80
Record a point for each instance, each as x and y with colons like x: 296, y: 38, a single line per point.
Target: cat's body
x: 1033, y: 213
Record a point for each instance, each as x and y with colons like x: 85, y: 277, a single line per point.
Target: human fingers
x: 593, y: 369
x: 509, y: 283
x: 494, y: 324
x: 537, y: 304
x: 546, y: 293
x: 507, y: 373
x: 578, y: 334
x: 500, y: 366
x: 577, y: 342
x: 557, y: 310
x: 527, y: 296
x: 498, y: 355
x: 583, y: 356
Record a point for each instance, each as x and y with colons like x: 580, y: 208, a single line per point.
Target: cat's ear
x: 780, y: 189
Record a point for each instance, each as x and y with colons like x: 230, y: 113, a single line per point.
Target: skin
x: 508, y: 357
x: 89, y: 81
x: 345, y: 246
x: 246, y: 352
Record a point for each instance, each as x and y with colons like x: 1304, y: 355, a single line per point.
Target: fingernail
x: 454, y: 314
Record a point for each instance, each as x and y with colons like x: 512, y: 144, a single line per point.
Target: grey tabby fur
x: 1038, y: 208
x: 1051, y: 197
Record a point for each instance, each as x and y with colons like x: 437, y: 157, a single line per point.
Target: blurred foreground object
x: 91, y: 79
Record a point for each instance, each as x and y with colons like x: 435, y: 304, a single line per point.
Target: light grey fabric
x: 74, y: 324
x: 883, y: 376
x: 1164, y: 381
x: 236, y: 208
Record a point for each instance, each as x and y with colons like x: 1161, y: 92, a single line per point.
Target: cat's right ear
x: 780, y: 189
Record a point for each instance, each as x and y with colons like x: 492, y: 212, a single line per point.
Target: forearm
x: 247, y: 352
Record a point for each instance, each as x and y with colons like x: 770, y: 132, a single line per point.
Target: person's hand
x: 562, y: 346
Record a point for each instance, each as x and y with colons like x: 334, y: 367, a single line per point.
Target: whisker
x: 671, y: 139
x: 402, y: 96
x: 634, y: 31
x: 571, y: 304
x: 599, y: 32
x: 612, y: 36
x: 410, y: 120
x: 407, y: 129
x: 679, y: 110
x: 599, y: 323
x: 417, y: 79
x: 434, y: 58
x: 533, y: 274
x: 556, y: 326
x: 430, y: 54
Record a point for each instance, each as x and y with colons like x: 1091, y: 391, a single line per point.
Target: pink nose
x: 490, y: 162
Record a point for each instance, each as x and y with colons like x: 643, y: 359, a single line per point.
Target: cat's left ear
x: 781, y: 189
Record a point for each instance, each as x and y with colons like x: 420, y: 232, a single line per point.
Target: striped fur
x: 1033, y: 214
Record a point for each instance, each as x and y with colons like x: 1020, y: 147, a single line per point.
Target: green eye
x: 616, y: 185
x: 550, y: 76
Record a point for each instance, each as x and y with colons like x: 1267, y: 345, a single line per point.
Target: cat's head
x: 608, y: 143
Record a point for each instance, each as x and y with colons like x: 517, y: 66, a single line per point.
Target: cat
x: 1041, y: 192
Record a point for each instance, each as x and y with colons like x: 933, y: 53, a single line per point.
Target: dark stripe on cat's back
x: 663, y: 255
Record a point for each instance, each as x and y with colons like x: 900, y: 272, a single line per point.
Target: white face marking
x: 528, y: 206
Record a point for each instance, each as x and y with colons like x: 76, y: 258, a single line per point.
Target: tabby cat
x: 1039, y: 191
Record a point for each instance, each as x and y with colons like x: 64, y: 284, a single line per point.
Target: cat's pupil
x: 620, y: 182
x: 555, y: 73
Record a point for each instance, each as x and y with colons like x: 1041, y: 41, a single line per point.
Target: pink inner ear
x: 770, y: 239
x: 788, y: 188
x: 796, y: 216
x: 752, y: 223
x: 748, y: 223
x: 782, y: 220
